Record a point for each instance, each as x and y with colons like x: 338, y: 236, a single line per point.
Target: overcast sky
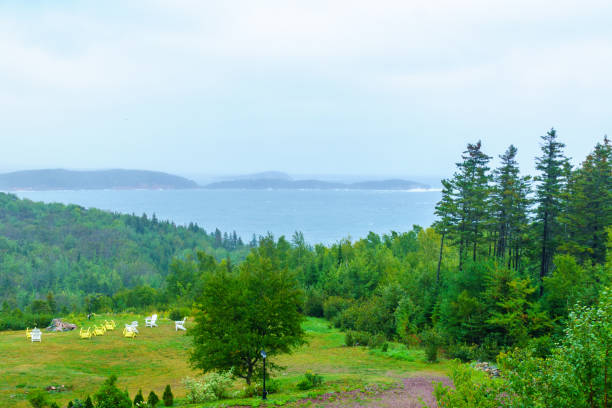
x: 309, y: 87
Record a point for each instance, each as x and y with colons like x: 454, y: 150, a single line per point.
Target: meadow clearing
x: 159, y: 356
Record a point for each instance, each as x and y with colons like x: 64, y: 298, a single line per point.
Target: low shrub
x: 178, y: 313
x: 210, y: 388
x: 376, y: 341
x: 385, y: 347
x: 38, y: 399
x: 541, y: 346
x: 20, y: 321
x: 311, y: 380
x: 487, y: 351
x: 109, y: 396
x: 432, y: 340
x: 354, y: 338
x: 462, y: 352
x: 272, y: 387
x: 400, y: 352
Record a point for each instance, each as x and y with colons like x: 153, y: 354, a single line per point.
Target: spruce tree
x: 552, y: 165
x: 589, y: 206
x: 471, y: 183
x: 152, y: 399
x: 89, y: 402
x: 168, y: 397
x: 138, y: 399
x: 509, y: 206
x: 446, y: 210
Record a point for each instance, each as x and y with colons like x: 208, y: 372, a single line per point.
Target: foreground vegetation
x: 158, y: 357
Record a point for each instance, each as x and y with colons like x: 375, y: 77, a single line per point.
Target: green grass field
x: 159, y: 356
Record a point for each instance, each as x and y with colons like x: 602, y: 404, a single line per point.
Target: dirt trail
x: 405, y: 395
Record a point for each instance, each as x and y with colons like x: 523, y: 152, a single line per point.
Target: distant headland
x: 120, y: 179
x: 60, y: 179
x: 282, y: 181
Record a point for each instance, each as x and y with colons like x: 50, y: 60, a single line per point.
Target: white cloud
x: 328, y: 67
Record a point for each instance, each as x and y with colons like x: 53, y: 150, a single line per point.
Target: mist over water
x: 324, y: 216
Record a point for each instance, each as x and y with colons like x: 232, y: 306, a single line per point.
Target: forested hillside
x: 504, y: 265
x: 72, y: 252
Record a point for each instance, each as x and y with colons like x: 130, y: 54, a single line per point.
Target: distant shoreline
x: 414, y: 190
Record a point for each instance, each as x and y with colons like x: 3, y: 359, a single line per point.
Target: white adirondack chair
x: 36, y: 335
x: 151, y: 321
x: 132, y: 327
x: 180, y: 324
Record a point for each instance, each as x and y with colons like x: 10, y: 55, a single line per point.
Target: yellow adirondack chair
x: 28, y: 333
x: 129, y: 333
x: 109, y: 325
x: 99, y: 331
x: 86, y: 334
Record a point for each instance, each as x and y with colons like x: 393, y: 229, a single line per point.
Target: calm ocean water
x: 322, y: 215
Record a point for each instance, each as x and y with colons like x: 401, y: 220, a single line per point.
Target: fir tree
x: 138, y: 399
x: 446, y: 210
x: 509, y: 207
x: 152, y: 399
x: 552, y: 165
x: 471, y: 183
x: 589, y: 206
x: 168, y: 397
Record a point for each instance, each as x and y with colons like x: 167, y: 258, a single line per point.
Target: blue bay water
x: 322, y: 215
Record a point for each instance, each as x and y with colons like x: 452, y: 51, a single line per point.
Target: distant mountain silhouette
x: 289, y: 184
x: 60, y: 179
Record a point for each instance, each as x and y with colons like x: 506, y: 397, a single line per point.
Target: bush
x: 472, y: 390
x: 109, y: 396
x: 432, y: 340
x: 349, y: 341
x: 20, y: 321
x: 310, y: 381
x: 487, y: 351
x: 54, y: 405
x: 168, y: 397
x: 210, y: 388
x: 138, y: 399
x: 313, y: 306
x: 89, y: 402
x: 38, y: 398
x: 178, y: 313
x: 461, y: 352
x: 376, y: 341
x: 272, y: 386
x: 541, y: 346
x: 334, y: 305
x: 354, y: 338
x: 385, y: 347
x: 153, y: 399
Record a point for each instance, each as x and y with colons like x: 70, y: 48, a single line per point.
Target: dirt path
x: 405, y: 396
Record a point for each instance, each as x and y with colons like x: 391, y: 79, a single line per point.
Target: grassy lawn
x: 159, y: 356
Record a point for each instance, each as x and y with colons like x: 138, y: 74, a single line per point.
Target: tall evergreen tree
x: 446, y: 211
x: 552, y: 165
x: 472, y: 192
x: 589, y: 206
x: 509, y: 206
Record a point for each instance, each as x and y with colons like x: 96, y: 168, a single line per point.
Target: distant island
x: 282, y: 181
x: 60, y: 179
